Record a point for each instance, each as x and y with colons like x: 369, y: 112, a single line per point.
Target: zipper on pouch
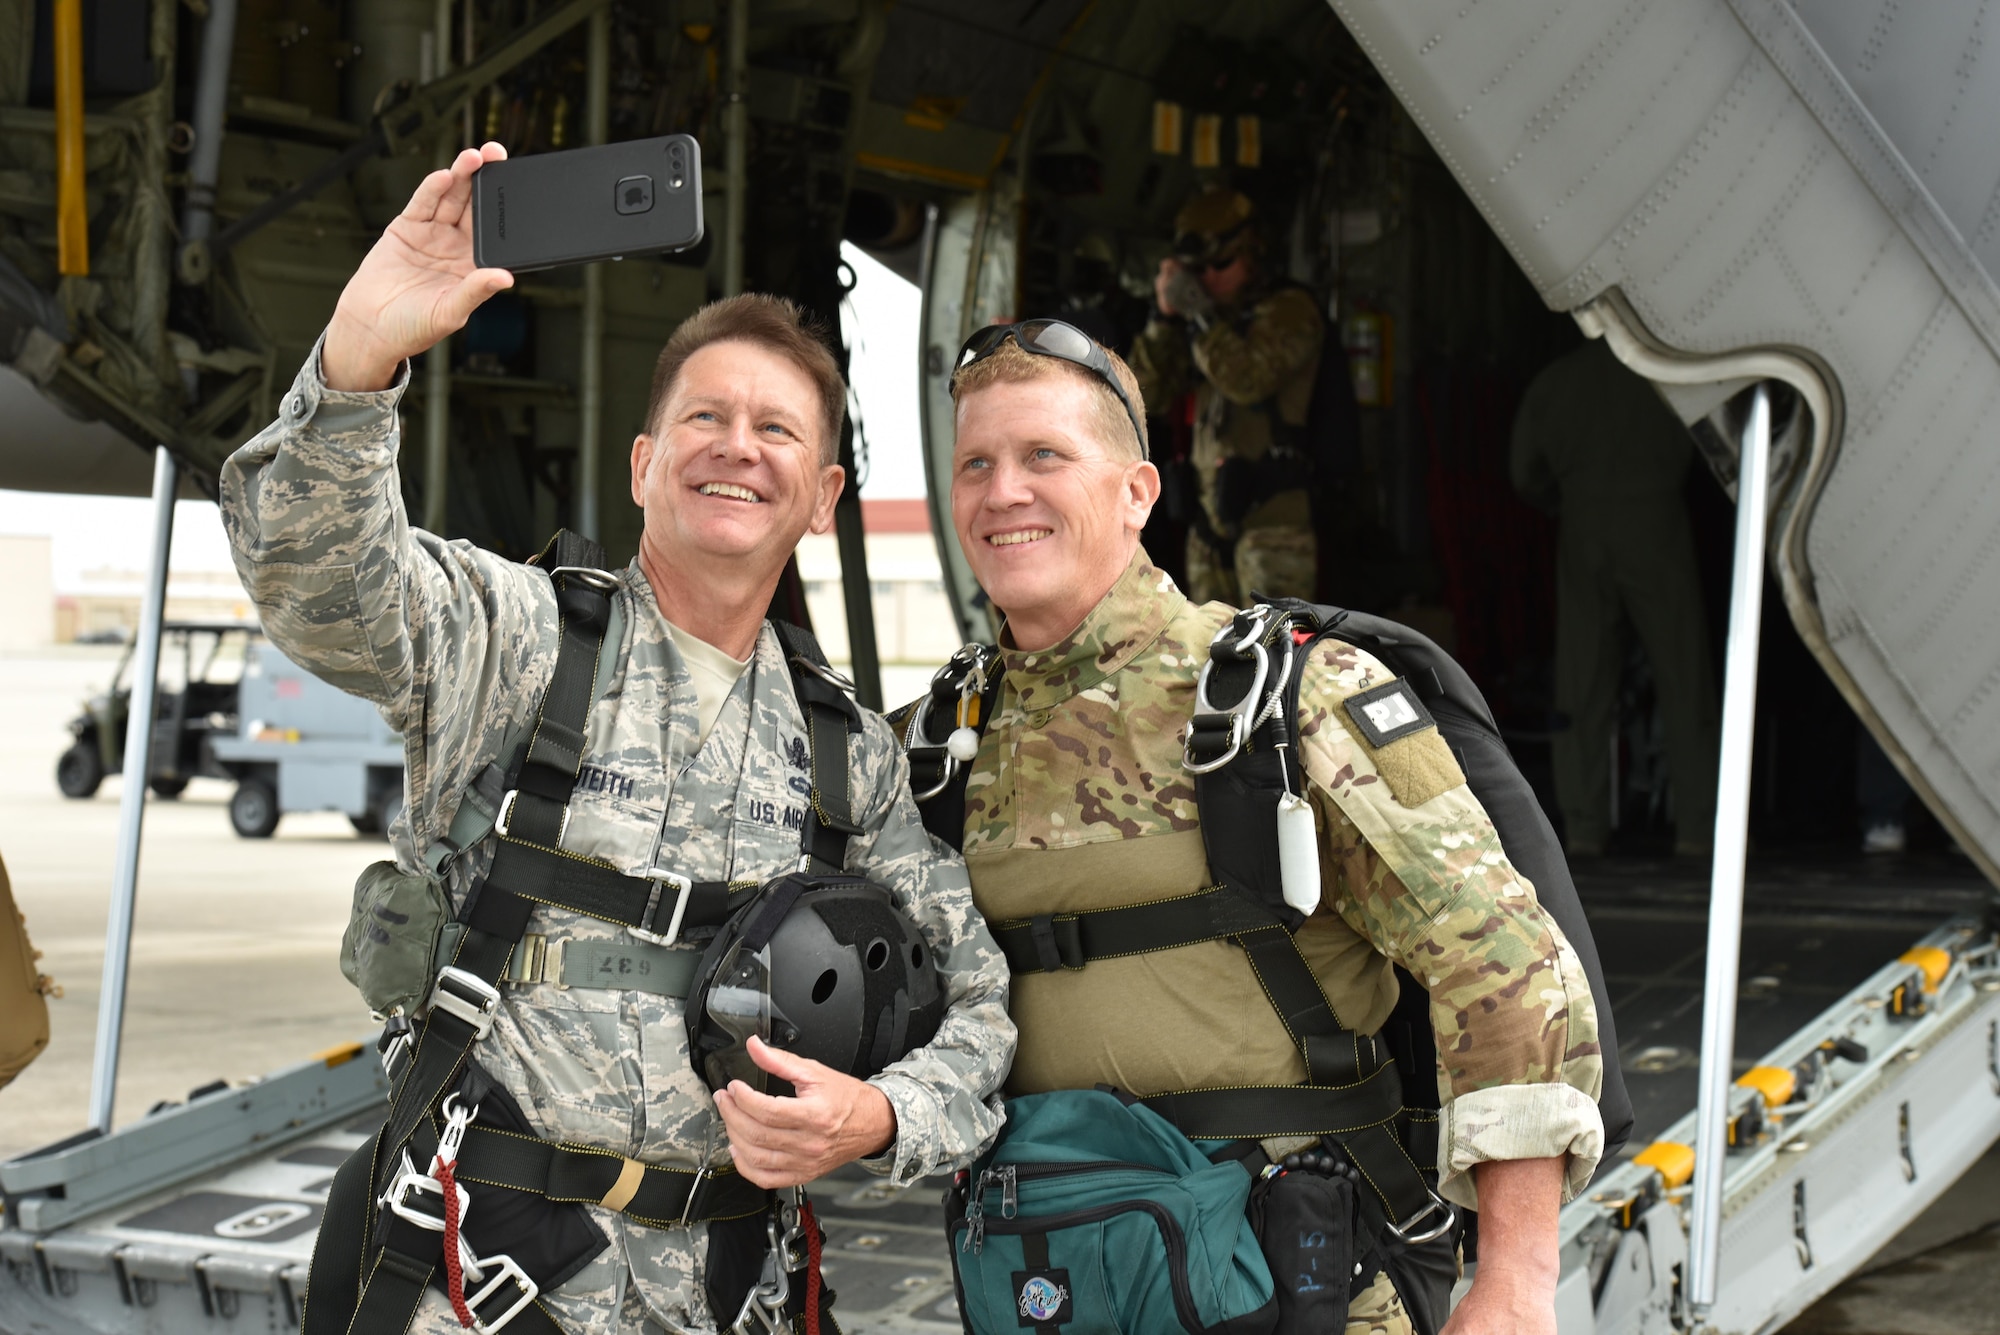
x: 1008, y: 1178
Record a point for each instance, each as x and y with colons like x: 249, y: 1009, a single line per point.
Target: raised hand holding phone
x: 418, y: 283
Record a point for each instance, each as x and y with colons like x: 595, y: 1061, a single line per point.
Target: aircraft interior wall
x: 1446, y: 334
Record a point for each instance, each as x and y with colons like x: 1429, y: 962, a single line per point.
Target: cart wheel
x: 80, y: 770
x: 365, y: 823
x: 168, y: 788
x: 387, y: 809
x: 253, y: 809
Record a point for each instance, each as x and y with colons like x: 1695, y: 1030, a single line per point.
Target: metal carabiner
x: 1237, y: 714
x: 763, y: 1310
x: 1409, y: 1238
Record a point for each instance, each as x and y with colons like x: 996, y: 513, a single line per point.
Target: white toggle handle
x: 1298, y: 853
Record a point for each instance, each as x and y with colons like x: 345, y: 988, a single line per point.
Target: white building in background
x: 28, y: 593
x: 913, y: 621
x: 107, y: 600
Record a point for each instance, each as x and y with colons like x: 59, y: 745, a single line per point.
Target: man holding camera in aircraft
x: 1250, y: 350
x: 1109, y: 886
x: 696, y: 755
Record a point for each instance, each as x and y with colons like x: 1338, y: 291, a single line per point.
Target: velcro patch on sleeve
x: 1388, y: 712
x: 1402, y: 739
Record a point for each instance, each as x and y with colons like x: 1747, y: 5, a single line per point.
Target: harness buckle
x: 694, y: 1190
x: 660, y: 876
x: 397, y: 1041
x: 404, y: 1197
x: 405, y: 1201
x: 588, y: 576
x: 838, y: 681
x: 1404, y: 1231
x: 503, y: 817
x: 509, y: 1272
x: 466, y: 996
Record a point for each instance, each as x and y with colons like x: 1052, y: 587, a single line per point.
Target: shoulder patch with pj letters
x: 1388, y: 712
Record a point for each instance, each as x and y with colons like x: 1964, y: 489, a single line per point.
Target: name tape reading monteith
x: 1388, y: 712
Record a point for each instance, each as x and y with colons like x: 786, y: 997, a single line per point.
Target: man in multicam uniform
x: 1250, y: 351
x: 1078, y: 801
x: 457, y: 645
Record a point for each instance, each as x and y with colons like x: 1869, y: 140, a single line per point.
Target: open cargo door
x: 1732, y: 190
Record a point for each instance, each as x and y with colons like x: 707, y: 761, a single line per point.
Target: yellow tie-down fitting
x: 1912, y: 997
x: 1760, y: 1092
x: 1672, y: 1164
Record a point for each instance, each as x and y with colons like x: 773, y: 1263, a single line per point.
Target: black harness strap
x: 831, y: 717
x: 375, y: 1264
x: 564, y: 880
x: 564, y: 1172
x: 1049, y: 942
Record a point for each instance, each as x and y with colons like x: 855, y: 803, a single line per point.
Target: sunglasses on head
x: 1053, y: 338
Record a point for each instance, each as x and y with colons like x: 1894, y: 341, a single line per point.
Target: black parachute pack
x: 1238, y: 746
x: 382, y: 1238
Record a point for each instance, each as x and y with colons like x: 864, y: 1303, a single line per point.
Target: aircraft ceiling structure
x: 1742, y: 189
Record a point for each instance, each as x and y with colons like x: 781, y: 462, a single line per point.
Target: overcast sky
x: 94, y: 532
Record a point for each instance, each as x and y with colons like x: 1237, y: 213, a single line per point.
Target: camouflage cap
x: 1214, y: 225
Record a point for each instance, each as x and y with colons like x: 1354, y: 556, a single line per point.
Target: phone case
x: 633, y: 198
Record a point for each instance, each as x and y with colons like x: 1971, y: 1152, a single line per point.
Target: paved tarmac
x: 234, y: 974
x: 234, y: 968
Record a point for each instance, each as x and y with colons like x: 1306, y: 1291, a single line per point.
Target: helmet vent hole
x: 823, y: 987
x: 916, y: 955
x: 878, y: 954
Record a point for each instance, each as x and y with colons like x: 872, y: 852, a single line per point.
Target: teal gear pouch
x: 389, y: 950
x: 1096, y: 1217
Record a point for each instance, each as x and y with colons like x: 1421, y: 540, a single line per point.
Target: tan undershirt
x: 714, y: 675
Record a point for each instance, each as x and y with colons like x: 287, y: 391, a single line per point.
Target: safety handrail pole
x: 1732, y: 830
x: 137, y: 767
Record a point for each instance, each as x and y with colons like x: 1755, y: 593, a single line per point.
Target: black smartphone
x: 586, y: 204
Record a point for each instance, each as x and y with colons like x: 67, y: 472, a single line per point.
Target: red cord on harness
x: 813, y: 1240
x: 454, y: 1274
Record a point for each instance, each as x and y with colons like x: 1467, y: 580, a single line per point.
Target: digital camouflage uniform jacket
x: 1246, y: 366
x: 456, y: 645
x: 1078, y: 801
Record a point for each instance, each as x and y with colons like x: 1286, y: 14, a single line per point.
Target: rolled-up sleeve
x: 945, y: 1093
x: 1421, y: 873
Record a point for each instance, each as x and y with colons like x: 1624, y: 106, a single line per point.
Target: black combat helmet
x: 825, y: 967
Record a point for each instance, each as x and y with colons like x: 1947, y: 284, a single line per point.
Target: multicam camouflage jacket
x: 456, y: 645
x: 1252, y: 372
x: 1078, y: 801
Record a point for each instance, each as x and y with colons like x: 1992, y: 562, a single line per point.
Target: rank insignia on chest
x: 1388, y: 712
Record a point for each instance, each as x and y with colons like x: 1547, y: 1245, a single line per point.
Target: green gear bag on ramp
x: 24, y: 991
x: 1092, y: 1217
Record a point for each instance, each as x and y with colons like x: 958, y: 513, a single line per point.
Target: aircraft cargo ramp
x: 161, y: 1230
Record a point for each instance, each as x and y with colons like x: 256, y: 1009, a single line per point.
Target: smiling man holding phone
x: 609, y: 1188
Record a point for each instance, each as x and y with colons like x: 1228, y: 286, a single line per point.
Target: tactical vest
x: 1237, y: 749
x: 382, y: 1238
